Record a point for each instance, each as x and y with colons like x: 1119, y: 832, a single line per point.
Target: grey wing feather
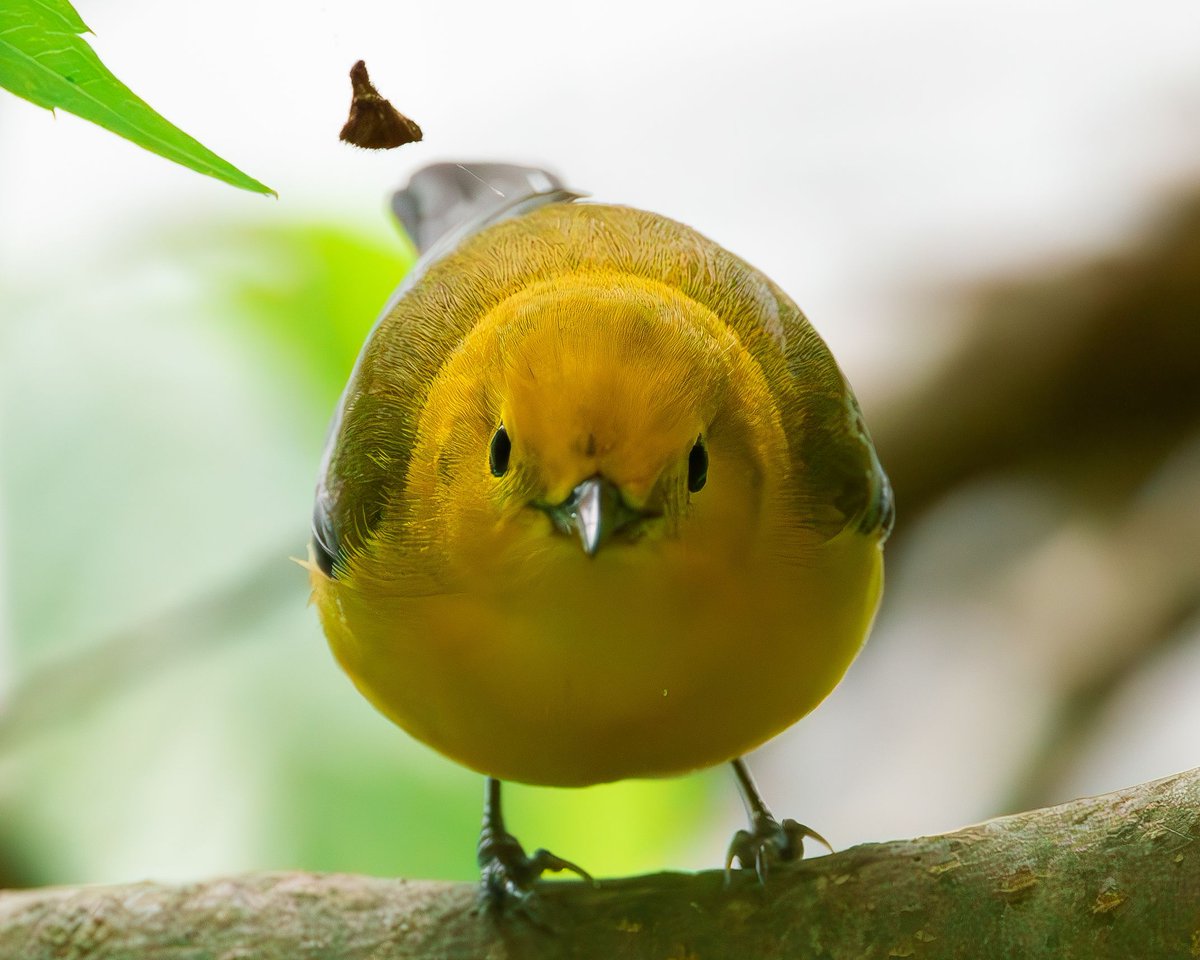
x: 880, y: 515
x: 445, y: 197
x: 865, y: 498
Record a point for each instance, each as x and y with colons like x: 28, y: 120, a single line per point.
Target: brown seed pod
x: 375, y: 124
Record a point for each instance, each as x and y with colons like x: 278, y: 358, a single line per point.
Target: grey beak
x: 589, y: 515
x: 594, y: 511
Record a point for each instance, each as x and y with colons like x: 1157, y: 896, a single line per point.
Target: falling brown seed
x: 374, y: 123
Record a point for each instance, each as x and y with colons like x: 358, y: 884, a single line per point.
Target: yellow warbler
x: 597, y: 503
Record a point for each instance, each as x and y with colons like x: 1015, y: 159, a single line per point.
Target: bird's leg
x: 767, y: 841
x: 506, y: 873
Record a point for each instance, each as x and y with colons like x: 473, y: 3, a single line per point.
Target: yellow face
x: 606, y: 414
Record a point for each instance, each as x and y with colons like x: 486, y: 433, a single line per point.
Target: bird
x: 597, y: 503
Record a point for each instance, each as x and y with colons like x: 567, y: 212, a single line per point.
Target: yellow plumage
x: 607, y: 343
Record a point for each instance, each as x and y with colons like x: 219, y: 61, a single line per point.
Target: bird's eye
x: 697, y: 466
x: 499, y: 452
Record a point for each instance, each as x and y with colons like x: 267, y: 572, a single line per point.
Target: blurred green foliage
x: 172, y: 710
x: 310, y: 292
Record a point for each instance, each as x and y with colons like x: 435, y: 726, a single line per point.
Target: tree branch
x: 1112, y: 876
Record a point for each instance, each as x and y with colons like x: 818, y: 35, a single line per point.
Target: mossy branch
x: 1112, y: 876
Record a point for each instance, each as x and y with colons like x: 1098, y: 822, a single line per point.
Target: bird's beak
x: 594, y: 511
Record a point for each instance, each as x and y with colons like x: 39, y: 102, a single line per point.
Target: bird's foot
x: 508, y: 874
x: 767, y: 843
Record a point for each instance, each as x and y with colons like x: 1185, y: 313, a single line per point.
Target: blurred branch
x: 1147, y: 564
x: 1112, y: 876
x: 60, y: 690
x: 1087, y: 380
x: 1092, y: 370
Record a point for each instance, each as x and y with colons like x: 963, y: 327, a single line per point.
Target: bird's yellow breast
x: 647, y: 660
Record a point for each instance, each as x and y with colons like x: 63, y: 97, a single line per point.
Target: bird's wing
x: 441, y: 206
x: 844, y: 485
x: 862, y: 492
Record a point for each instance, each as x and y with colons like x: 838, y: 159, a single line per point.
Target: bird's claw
x: 508, y: 874
x: 768, y: 843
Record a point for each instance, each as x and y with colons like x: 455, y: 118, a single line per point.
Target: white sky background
x: 861, y: 153
x: 839, y: 146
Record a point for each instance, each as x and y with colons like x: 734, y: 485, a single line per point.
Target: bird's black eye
x: 499, y: 452
x: 697, y: 466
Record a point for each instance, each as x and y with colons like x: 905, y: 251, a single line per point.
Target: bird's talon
x: 508, y: 874
x: 543, y: 860
x: 768, y: 843
x: 800, y: 832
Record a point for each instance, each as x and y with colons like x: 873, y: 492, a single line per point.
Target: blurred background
x: 991, y: 212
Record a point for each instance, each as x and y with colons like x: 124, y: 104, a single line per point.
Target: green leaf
x: 44, y: 59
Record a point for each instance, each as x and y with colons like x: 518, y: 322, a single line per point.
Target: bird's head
x: 603, y: 412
